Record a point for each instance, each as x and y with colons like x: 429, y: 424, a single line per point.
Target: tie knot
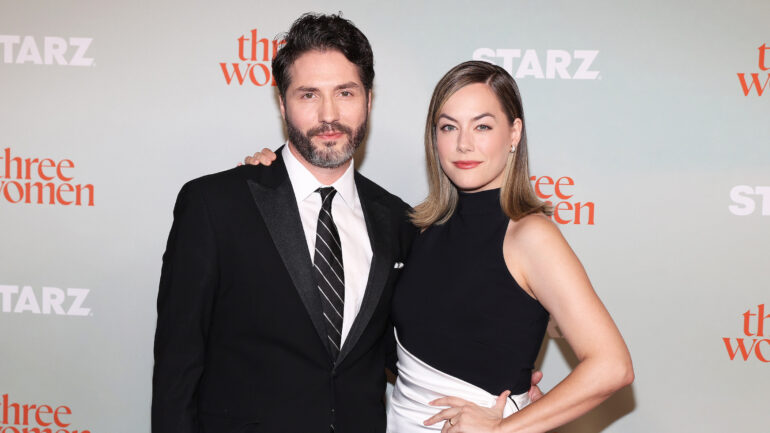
x: 327, y: 194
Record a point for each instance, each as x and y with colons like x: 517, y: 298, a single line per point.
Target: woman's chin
x: 469, y: 188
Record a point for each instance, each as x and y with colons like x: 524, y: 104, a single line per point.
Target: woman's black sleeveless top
x: 457, y: 307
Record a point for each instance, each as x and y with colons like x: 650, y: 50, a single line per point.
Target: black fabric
x: 458, y: 308
x: 240, y: 338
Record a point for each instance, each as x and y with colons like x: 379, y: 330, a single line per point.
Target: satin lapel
x: 377, y: 218
x: 279, y: 210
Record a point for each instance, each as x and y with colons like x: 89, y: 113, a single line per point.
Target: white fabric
x: 351, y: 225
x: 418, y: 384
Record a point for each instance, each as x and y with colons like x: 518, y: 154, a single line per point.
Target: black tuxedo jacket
x: 240, y: 339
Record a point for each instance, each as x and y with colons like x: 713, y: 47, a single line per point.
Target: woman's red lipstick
x: 465, y: 165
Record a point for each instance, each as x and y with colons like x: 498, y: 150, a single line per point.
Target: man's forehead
x: 323, y: 68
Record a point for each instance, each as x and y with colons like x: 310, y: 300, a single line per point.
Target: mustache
x: 327, y: 127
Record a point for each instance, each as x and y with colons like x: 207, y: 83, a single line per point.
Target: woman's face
x: 474, y: 138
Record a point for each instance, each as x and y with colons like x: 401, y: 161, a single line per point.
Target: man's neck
x: 326, y: 176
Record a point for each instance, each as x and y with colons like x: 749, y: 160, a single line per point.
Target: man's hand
x: 464, y: 416
x: 534, y: 391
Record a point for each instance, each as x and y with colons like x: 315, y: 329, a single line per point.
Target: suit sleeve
x: 406, y: 234
x: 188, y: 283
x: 389, y: 344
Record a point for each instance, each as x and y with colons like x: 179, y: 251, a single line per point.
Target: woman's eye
x: 446, y: 128
x: 483, y: 127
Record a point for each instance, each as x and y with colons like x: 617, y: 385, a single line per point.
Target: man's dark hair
x: 323, y: 32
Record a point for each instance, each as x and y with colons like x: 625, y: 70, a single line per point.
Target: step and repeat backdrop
x: 649, y: 131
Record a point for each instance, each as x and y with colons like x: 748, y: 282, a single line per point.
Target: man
x: 275, y: 289
x: 261, y: 325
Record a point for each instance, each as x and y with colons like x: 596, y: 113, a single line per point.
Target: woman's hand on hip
x: 465, y: 417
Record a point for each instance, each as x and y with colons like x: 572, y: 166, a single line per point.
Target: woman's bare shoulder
x: 533, y: 228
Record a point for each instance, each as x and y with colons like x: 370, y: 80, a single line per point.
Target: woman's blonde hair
x: 517, y: 198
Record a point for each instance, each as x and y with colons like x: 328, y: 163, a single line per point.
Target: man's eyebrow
x: 348, y: 85
x: 306, y: 89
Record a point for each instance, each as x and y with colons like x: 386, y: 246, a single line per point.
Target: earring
x: 513, y: 149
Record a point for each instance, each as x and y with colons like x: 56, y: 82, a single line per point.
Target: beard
x: 325, y: 155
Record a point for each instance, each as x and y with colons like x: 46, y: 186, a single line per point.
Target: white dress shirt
x: 351, y: 225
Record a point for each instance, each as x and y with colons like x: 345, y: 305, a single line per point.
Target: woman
x: 489, y: 266
x: 472, y: 305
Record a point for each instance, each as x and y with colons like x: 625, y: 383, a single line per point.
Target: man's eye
x: 307, y: 95
x: 346, y: 93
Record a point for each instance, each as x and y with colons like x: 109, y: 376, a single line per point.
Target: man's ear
x: 369, y: 103
x: 282, y: 107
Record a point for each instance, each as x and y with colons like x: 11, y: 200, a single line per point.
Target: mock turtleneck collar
x: 479, y: 202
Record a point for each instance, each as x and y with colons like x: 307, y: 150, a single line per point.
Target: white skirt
x: 418, y: 384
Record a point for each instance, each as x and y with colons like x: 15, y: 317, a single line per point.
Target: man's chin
x: 333, y: 150
x: 337, y: 144
x: 331, y: 159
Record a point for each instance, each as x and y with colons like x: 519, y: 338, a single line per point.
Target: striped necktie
x: 329, y: 275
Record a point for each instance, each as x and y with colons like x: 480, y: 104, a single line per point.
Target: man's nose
x: 328, y: 111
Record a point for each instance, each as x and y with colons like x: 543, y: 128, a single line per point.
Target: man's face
x: 325, y: 108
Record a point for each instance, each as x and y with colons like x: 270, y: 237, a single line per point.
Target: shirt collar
x: 304, y: 183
